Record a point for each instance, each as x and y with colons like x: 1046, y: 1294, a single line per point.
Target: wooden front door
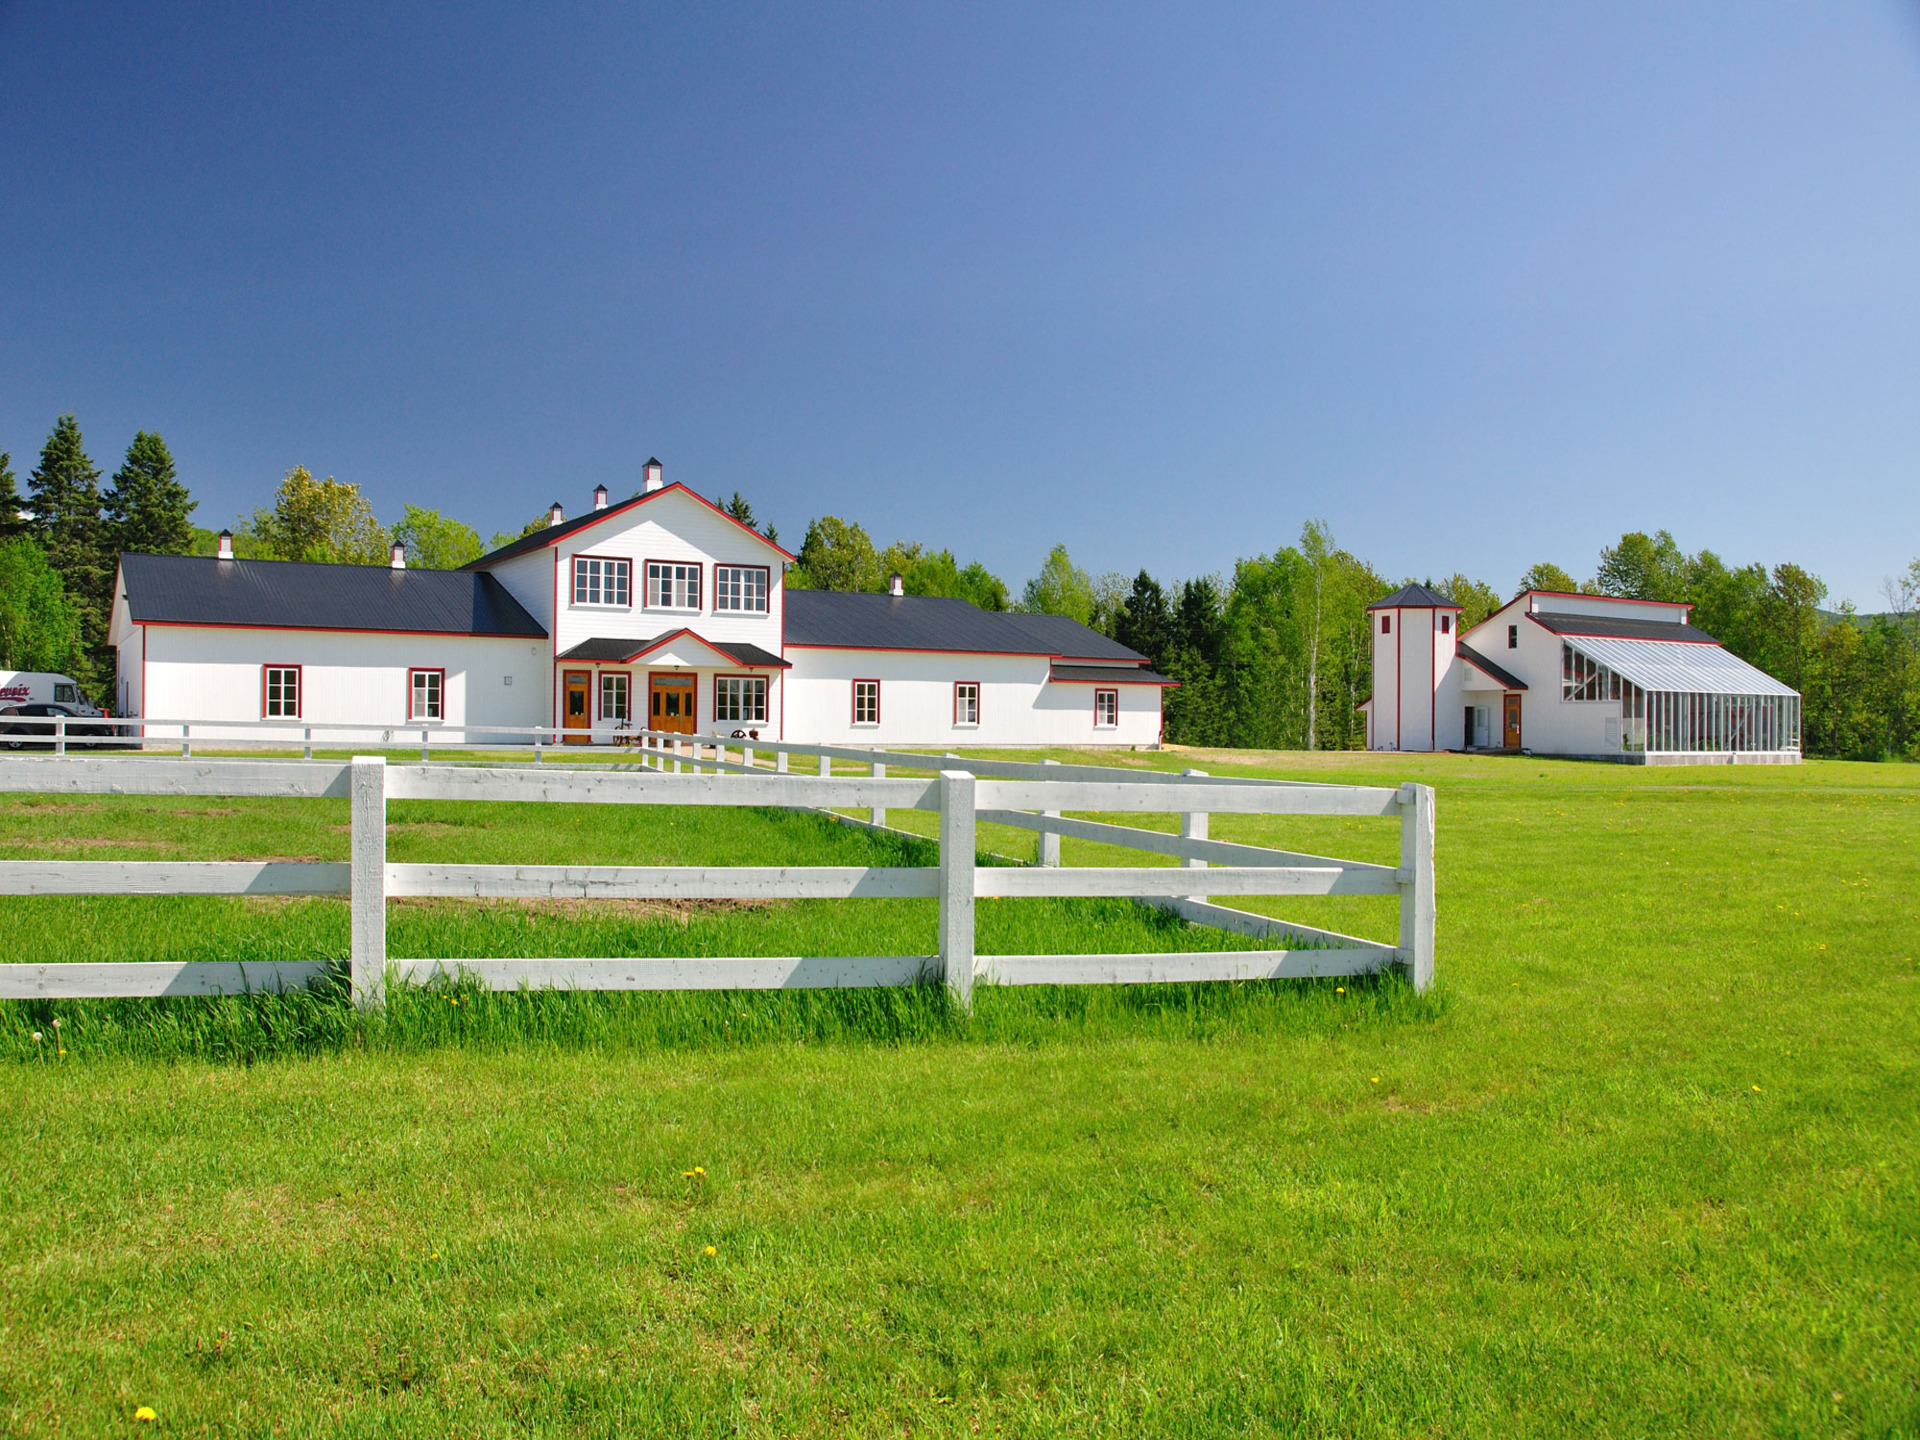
x: 1510, y: 730
x: 574, y: 711
x: 670, y: 703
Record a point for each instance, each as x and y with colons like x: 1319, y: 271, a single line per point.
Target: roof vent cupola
x: 895, y: 585
x: 399, y: 559
x: 556, y: 515
x: 655, y: 480
x: 226, y: 545
x: 599, y: 497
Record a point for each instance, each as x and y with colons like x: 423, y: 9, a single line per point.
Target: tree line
x: 1277, y: 655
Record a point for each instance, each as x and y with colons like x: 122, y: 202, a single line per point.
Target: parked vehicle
x: 44, y: 687
x: 34, y: 727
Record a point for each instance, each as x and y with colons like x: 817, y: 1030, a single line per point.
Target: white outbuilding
x: 1589, y: 676
x: 661, y: 612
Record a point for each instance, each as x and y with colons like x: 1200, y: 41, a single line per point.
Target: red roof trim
x: 942, y: 650
x: 627, y: 504
x: 342, y: 630
x: 1611, y: 599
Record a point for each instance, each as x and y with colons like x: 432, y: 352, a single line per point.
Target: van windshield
x: 66, y: 694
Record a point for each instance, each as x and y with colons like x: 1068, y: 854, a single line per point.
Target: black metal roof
x: 295, y: 595
x: 1414, y: 597
x: 1480, y: 662
x: 1108, y: 675
x: 845, y: 620
x: 546, y: 535
x: 1621, y: 628
x: 618, y: 650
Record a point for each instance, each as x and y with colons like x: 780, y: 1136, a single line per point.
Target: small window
x: 740, y: 587
x: 1513, y: 637
x: 966, y: 702
x: 281, y: 692
x: 1446, y: 624
x: 424, y: 691
x: 672, y: 586
x: 66, y: 694
x: 602, y: 582
x: 616, y: 696
x: 1386, y: 624
x: 1106, y: 709
x: 740, y: 698
x: 866, y: 702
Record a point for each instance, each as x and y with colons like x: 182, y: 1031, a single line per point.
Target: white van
x: 24, y: 687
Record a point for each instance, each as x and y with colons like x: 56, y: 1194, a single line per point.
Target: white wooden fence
x: 1030, y: 796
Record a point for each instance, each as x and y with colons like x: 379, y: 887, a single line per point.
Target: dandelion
x: 712, y: 1251
x: 1339, y: 989
x: 145, y: 1414
x: 1376, y: 1079
x: 1756, y: 1089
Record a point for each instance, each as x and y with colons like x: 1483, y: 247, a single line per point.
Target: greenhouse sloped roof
x: 1673, y: 665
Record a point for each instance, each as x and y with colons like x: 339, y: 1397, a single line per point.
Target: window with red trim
x: 966, y: 702
x: 280, y: 692
x: 1386, y: 624
x: 1106, y: 709
x: 426, y: 694
x: 866, y: 702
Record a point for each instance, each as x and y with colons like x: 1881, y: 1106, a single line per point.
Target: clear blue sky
x: 1479, y: 285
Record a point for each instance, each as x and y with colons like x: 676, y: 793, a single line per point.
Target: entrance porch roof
x: 618, y: 650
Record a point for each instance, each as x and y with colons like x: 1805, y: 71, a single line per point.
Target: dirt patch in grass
x: 82, y: 842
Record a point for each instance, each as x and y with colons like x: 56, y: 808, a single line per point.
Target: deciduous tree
x: 1061, y: 588
x: 321, y: 520
x: 435, y: 541
x: 39, y: 623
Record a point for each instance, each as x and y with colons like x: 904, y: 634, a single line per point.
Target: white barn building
x: 1590, y: 676
x: 660, y: 613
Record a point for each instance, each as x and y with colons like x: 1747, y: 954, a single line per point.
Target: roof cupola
x: 655, y: 479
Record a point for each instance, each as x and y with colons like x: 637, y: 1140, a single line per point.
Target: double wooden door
x: 671, y: 702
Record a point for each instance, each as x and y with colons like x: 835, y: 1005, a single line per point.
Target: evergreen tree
x: 1144, y: 623
x: 10, y: 503
x: 65, y: 499
x: 148, y: 510
x: 739, y: 509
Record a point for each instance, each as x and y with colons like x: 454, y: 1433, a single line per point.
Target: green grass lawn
x: 1646, y: 1166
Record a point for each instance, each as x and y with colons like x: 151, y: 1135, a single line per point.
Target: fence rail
x: 1026, y: 795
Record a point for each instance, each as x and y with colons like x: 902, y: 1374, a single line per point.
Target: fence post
x: 956, y: 885
x: 307, y: 734
x: 59, y: 734
x: 368, y: 889
x: 826, y: 765
x: 878, y: 814
x: 1416, y: 888
x: 424, y: 760
x: 1193, y: 826
x: 186, y: 742
x: 779, y: 762
x: 1048, y: 852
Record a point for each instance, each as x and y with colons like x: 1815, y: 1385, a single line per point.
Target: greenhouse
x: 1680, y: 698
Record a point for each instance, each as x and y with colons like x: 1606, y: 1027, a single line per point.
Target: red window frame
x: 573, y: 587
x: 765, y: 570
x: 853, y: 694
x: 299, y: 691
x: 698, y: 567
x: 1113, y: 724
x: 1446, y: 623
x: 413, y: 670
x: 1386, y: 624
x: 976, y: 702
x: 763, y: 679
x: 600, y: 693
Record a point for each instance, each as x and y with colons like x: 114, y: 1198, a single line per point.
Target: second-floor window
x: 740, y: 587
x: 602, y: 582
x: 673, y: 586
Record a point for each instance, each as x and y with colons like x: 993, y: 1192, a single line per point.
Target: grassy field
x: 1647, y: 1165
